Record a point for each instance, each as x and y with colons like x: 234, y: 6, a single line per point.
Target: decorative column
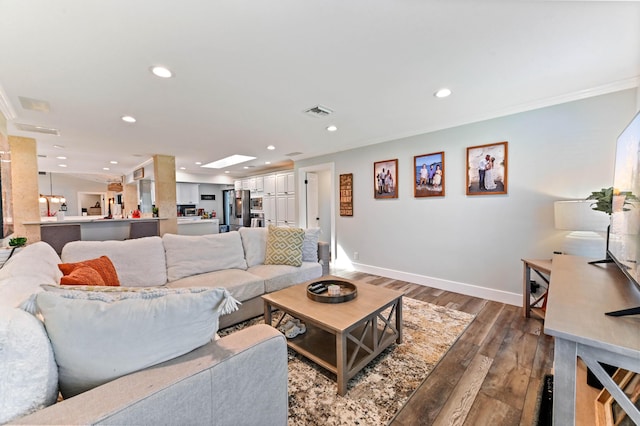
x: 24, y: 187
x: 164, y: 171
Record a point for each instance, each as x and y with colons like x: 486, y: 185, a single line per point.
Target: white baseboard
x: 456, y: 287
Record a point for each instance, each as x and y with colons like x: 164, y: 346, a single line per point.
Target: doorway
x: 91, y: 203
x: 317, y: 201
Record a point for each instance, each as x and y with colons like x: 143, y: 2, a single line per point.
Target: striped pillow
x: 284, y: 246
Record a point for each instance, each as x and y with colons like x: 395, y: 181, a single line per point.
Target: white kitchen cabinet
x: 259, y: 184
x: 237, y: 185
x: 187, y: 193
x: 286, y: 210
x: 269, y: 208
x: 270, y: 185
x: 285, y: 183
x: 245, y: 184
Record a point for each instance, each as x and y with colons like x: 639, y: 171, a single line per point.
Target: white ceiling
x: 246, y: 69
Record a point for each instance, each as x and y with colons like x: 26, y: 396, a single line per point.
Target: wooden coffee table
x: 341, y: 337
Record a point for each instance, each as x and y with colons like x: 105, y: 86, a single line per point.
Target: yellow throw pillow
x: 284, y: 246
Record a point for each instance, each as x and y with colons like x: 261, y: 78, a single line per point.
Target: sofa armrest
x: 239, y: 379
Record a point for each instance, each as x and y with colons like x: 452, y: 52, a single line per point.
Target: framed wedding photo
x: 428, y: 173
x: 385, y: 179
x: 487, y: 169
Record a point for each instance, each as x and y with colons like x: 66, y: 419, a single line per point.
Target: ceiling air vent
x: 293, y: 154
x: 34, y: 104
x: 37, y: 129
x: 318, y: 111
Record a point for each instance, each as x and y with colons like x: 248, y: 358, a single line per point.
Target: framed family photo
x: 428, y: 173
x: 487, y: 169
x: 385, y: 179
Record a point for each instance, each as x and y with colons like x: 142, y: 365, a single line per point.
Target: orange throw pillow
x: 83, y: 275
x: 102, y: 265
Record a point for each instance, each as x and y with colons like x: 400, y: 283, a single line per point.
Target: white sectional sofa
x: 222, y: 382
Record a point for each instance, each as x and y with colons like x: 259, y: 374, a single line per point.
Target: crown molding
x: 5, y: 106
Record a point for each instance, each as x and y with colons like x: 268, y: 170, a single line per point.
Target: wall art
x: 428, y: 172
x: 487, y: 169
x: 385, y: 179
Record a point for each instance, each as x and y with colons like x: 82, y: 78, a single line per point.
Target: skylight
x: 229, y: 161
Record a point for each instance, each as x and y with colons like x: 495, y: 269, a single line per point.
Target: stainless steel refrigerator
x: 236, y: 209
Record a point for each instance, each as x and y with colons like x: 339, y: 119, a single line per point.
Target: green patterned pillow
x: 284, y: 246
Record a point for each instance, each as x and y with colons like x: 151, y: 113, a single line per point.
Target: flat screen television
x: 623, y: 245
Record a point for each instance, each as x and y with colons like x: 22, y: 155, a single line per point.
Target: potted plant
x: 155, y: 211
x: 17, y: 242
x: 604, y: 199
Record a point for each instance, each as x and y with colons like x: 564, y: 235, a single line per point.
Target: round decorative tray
x: 348, y: 291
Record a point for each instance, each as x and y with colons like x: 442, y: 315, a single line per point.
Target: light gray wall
x: 474, y: 243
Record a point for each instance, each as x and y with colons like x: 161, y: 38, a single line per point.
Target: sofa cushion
x: 84, y: 273
x: 277, y: 277
x: 23, y: 263
x: 254, y: 242
x: 284, y: 246
x: 190, y: 255
x: 101, y: 333
x: 310, y: 245
x: 21, y: 276
x: 28, y: 372
x: 139, y: 262
x: 241, y: 284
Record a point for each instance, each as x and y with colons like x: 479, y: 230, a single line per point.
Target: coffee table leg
x: 267, y: 313
x: 341, y: 359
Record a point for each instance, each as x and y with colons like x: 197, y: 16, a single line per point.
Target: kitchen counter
x: 91, y: 228
x: 197, y: 226
x: 71, y: 220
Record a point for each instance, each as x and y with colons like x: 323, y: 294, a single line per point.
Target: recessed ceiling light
x: 198, y: 163
x: 105, y: 168
x: 113, y: 162
x: 62, y: 165
x: 245, y: 167
x: 229, y: 161
x: 332, y: 128
x: 183, y: 168
x: 442, y: 93
x: 58, y: 146
x: 271, y: 147
x: 128, y: 119
x: 61, y: 157
x: 160, y: 71
x: 267, y: 162
x: 227, y: 171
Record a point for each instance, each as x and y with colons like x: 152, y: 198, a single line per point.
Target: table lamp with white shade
x: 588, y: 236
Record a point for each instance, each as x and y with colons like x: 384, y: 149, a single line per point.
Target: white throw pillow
x: 28, y: 372
x: 254, y: 241
x: 191, y: 255
x: 101, y: 333
x: 139, y: 262
x: 310, y: 245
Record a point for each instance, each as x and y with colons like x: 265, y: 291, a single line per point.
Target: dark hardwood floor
x: 491, y: 376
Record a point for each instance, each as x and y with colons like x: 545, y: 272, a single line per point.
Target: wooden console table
x: 542, y: 267
x: 579, y: 295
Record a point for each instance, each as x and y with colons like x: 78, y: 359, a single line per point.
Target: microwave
x: 190, y: 212
x: 256, y: 203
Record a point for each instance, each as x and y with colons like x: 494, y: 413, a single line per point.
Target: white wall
x: 473, y: 244
x: 68, y: 186
x: 209, y: 205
